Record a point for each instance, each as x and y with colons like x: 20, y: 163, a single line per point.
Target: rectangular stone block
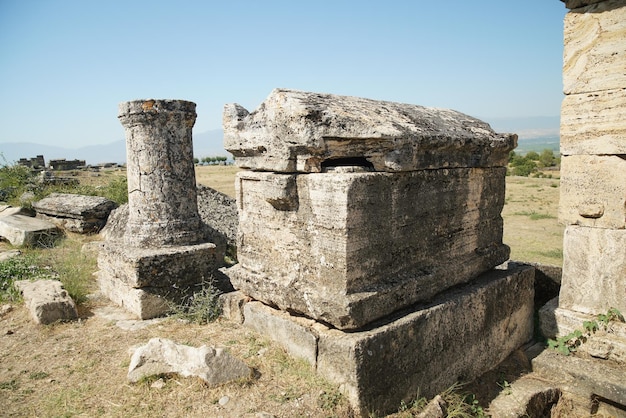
x: 158, y: 267
x: 76, y: 213
x: 145, y: 303
x: 148, y: 281
x: 593, y: 54
x: 593, y: 191
x: 295, y: 334
x: 297, y: 131
x: 21, y: 230
x: 593, y: 123
x: 348, y: 248
x: 594, y: 270
x: 457, y: 336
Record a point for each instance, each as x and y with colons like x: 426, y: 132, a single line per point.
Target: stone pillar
x: 162, y: 200
x: 161, y: 258
x: 593, y: 146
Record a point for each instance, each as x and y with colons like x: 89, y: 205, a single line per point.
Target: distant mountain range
x: 205, y: 144
x: 535, y: 134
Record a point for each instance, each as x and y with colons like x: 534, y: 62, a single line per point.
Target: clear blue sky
x: 66, y: 64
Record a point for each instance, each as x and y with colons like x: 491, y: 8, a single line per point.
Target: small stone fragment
x: 47, y: 301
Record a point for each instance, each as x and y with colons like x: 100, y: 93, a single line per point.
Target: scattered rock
x: 159, y: 384
x: 436, y: 408
x: 162, y: 356
x: 223, y: 400
x: 6, y: 210
x: 47, y: 301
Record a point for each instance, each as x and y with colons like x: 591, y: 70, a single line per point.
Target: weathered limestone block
x: 594, y: 269
x: 161, y: 177
x: 145, y: 303
x: 75, y: 213
x: 593, y: 123
x: 593, y: 54
x: 47, y: 301
x: 214, y: 366
x: 146, y: 281
x: 296, y: 131
x: 463, y: 332
x: 158, y: 267
x: 348, y: 248
x: 593, y: 191
x: 22, y: 230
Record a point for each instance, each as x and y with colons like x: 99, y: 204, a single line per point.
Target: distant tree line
x: 211, y: 160
x: 531, y: 163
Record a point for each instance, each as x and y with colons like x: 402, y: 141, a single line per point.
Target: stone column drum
x: 163, y: 255
x: 162, y: 200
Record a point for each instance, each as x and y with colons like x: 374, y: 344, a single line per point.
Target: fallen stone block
x: 214, y: 366
x: 75, y: 213
x: 47, y: 301
x: 22, y: 230
x: 6, y: 210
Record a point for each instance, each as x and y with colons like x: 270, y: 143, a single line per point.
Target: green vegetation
x: 211, y: 160
x: 531, y: 163
x: 569, y: 343
x: 458, y: 404
x: 17, y: 180
x: 23, y: 267
x: 201, y: 307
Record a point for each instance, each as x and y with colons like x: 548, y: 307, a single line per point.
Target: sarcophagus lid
x: 296, y: 131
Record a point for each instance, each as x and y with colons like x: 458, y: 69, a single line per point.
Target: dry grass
x: 79, y: 369
x: 530, y: 213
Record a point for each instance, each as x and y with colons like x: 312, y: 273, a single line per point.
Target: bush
x: 14, y: 269
x: 14, y: 181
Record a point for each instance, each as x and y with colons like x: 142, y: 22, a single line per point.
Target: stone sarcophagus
x: 354, y: 209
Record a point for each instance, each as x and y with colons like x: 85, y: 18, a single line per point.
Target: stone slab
x: 594, y: 270
x: 583, y: 376
x: 347, y: 248
x: 526, y: 397
x: 47, y: 301
x: 158, y: 267
x: 593, y: 123
x: 607, y: 344
x: 593, y: 191
x: 145, y: 303
x: 296, y: 131
x: 464, y: 332
x: 593, y: 54
x: 76, y: 213
x: 22, y: 230
x: 294, y: 333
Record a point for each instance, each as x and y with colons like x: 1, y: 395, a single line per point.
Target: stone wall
x: 593, y: 148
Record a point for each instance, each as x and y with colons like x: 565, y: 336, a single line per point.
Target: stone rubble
x: 214, y: 366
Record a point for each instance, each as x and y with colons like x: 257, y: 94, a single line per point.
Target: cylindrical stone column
x: 162, y: 200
